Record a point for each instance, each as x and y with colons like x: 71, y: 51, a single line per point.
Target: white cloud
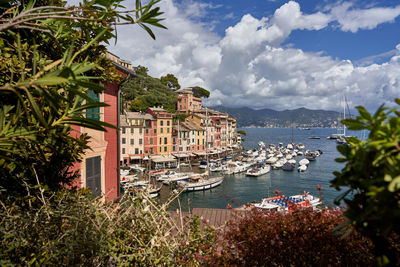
x: 247, y: 67
x: 356, y: 19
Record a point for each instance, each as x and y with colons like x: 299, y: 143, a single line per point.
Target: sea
x: 239, y: 189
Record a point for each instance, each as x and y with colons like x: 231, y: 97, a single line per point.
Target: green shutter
x: 93, y: 113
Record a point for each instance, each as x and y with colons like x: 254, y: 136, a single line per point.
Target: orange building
x: 164, y: 129
x: 187, y: 103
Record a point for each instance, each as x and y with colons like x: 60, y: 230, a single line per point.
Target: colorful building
x: 99, y: 169
x: 164, y: 129
x: 133, y: 136
x: 187, y: 103
x: 150, y: 135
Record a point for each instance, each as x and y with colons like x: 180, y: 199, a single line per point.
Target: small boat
x: 302, y: 168
x: 288, y: 166
x: 304, y: 162
x: 334, y: 136
x: 199, y: 182
x: 283, y: 203
x: 257, y: 171
x: 341, y: 140
x: 300, y: 146
x: 311, y: 156
x: 314, y: 137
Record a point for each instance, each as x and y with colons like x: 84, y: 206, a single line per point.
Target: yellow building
x: 164, y: 129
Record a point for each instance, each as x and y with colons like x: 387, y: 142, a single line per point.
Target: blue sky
x: 276, y: 54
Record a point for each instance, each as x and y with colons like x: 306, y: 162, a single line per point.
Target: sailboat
x: 201, y: 181
x: 341, y: 138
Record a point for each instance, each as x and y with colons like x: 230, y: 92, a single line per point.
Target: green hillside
x: 301, y: 117
x: 143, y: 91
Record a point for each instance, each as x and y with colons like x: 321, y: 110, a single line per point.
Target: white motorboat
x: 271, y: 160
x: 257, y: 171
x: 304, y: 162
x: 283, y: 203
x: 199, y: 182
x: 302, y: 168
x: 237, y: 167
x: 301, y: 147
x: 128, y: 178
x: 292, y: 161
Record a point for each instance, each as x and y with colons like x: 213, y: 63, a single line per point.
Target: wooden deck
x: 213, y: 217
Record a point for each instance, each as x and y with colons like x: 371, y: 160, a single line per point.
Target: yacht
x: 283, y: 203
x: 199, y: 182
x: 257, y: 171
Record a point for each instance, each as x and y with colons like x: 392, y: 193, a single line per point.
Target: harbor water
x: 239, y: 189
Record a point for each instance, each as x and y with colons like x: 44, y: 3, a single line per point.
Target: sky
x: 275, y: 54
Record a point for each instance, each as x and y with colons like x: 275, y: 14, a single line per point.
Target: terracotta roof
x: 192, y: 126
x: 138, y: 115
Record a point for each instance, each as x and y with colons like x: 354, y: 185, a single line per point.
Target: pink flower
x: 319, y: 187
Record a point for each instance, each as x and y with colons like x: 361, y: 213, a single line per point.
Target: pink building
x: 99, y: 169
x: 187, y: 103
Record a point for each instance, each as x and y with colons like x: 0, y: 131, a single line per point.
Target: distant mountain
x: 302, y: 117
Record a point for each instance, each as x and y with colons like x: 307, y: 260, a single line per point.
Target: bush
x: 71, y: 228
x: 300, y: 238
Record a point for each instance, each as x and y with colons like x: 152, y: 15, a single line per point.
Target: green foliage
x: 51, y: 56
x: 371, y: 178
x: 242, y: 132
x: 140, y: 70
x: 73, y: 229
x: 171, y: 81
x: 180, y: 117
x: 300, y: 238
x: 144, y: 91
x: 200, y: 92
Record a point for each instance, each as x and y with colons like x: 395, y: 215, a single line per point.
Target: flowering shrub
x: 300, y: 238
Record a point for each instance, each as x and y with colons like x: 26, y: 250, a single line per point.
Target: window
x: 147, y: 131
x: 198, y: 148
x: 173, y: 148
x: 165, y: 149
x: 93, y: 174
x: 198, y: 141
x: 161, y: 123
x: 123, y: 130
x: 198, y: 133
x: 132, y: 130
x: 160, y: 140
x: 136, y: 150
x: 123, y: 140
x: 167, y: 123
x: 123, y: 150
x: 167, y: 130
x: 180, y: 149
x: 155, y: 131
x: 165, y: 140
x: 161, y: 130
x: 160, y: 149
x: 132, y: 141
x: 141, y: 152
x: 151, y: 150
x: 93, y: 113
x: 203, y: 141
x: 140, y: 141
x: 174, y: 140
x: 140, y: 130
x: 151, y: 141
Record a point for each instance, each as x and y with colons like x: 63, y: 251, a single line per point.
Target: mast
x: 344, y: 114
x: 207, y: 138
x: 179, y: 151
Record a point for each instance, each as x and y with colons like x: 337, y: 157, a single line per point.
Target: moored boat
x: 283, y: 203
x: 257, y: 171
x: 199, y: 182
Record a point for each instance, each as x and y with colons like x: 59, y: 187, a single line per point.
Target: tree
x: 371, y: 179
x: 51, y: 56
x: 143, y: 91
x: 171, y: 81
x: 141, y: 70
x: 200, y: 92
x: 242, y: 132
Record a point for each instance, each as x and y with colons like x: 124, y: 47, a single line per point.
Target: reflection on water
x: 239, y: 189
